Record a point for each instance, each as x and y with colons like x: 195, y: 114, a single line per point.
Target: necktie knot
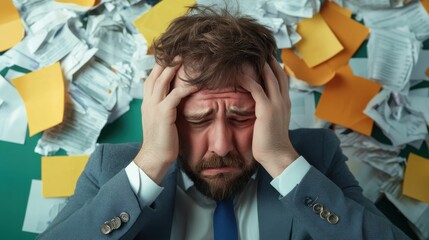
x: 224, y: 223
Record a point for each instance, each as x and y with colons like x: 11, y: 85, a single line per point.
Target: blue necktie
x: 224, y: 223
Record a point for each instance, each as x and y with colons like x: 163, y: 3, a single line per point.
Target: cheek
x: 243, y: 142
x: 193, y: 145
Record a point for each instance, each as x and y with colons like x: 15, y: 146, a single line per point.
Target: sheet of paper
x: 416, y: 178
x: 77, y: 135
x: 350, y: 33
x: 156, y: 20
x: 395, y: 120
x: 13, y: 119
x: 57, y: 45
x: 40, y: 211
x: 302, y: 111
x: 78, y: 57
x: 368, y: 4
x: 298, y: 8
x: 11, y: 28
x: 85, y: 3
x: 43, y: 95
x: 421, y: 69
x: 366, y: 149
x: 99, y: 82
x: 318, y: 42
x: 316, y: 76
x: 391, y: 55
x: 17, y: 61
x: 60, y: 174
x: 359, y: 67
x: 109, y: 40
x: 414, y: 16
x: 344, y: 99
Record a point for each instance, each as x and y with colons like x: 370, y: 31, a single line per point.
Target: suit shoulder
x: 308, y: 136
x: 317, y: 146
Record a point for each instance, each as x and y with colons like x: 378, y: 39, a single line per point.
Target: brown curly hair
x: 215, y: 44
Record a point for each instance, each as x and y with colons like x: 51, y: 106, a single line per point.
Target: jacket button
x: 317, y: 208
x: 125, y: 217
x: 105, y: 228
x: 333, y: 219
x: 325, y: 214
x: 116, y: 223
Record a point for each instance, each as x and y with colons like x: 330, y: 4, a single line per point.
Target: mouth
x: 212, y: 172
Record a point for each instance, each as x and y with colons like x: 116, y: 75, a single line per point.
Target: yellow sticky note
x: 43, y: 94
x: 318, y: 42
x: 11, y: 28
x: 156, y: 20
x: 416, y: 178
x: 425, y: 4
x: 84, y: 3
x: 344, y: 99
x: 60, y: 174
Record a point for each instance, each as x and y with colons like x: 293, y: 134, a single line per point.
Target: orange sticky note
x: 350, y: 33
x: 153, y: 23
x: 344, y: 99
x: 425, y: 4
x: 43, y: 94
x: 318, y: 42
x: 316, y: 76
x: 84, y: 3
x: 60, y: 174
x: 416, y: 178
x: 11, y: 28
x: 344, y: 11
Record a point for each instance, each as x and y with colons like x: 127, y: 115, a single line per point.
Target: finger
x: 270, y: 82
x: 255, y: 89
x: 177, y: 94
x: 281, y: 77
x: 150, y: 80
x: 162, y: 83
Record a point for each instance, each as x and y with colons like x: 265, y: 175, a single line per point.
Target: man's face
x: 215, y: 129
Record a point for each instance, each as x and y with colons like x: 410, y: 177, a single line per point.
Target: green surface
x: 20, y: 164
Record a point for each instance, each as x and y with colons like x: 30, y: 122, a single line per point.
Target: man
x: 215, y: 118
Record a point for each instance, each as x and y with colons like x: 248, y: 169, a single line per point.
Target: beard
x: 223, y: 185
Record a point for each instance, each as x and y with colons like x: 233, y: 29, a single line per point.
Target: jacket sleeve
x: 330, y: 184
x: 95, y: 202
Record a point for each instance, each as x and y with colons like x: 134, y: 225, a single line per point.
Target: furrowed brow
x: 195, y: 116
x: 240, y: 112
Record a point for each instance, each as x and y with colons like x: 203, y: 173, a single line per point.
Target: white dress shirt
x: 193, y: 212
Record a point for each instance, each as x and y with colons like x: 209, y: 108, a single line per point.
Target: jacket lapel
x: 275, y: 221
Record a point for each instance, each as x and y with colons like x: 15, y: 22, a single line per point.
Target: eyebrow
x: 195, y: 116
x: 240, y: 112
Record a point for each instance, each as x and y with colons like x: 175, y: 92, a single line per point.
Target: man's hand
x: 271, y: 145
x: 159, y: 109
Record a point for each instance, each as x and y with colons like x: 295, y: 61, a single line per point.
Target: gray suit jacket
x: 103, y: 192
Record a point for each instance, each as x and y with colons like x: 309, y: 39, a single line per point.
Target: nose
x: 221, y: 141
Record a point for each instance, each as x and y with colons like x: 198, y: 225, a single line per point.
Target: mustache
x: 216, y: 161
